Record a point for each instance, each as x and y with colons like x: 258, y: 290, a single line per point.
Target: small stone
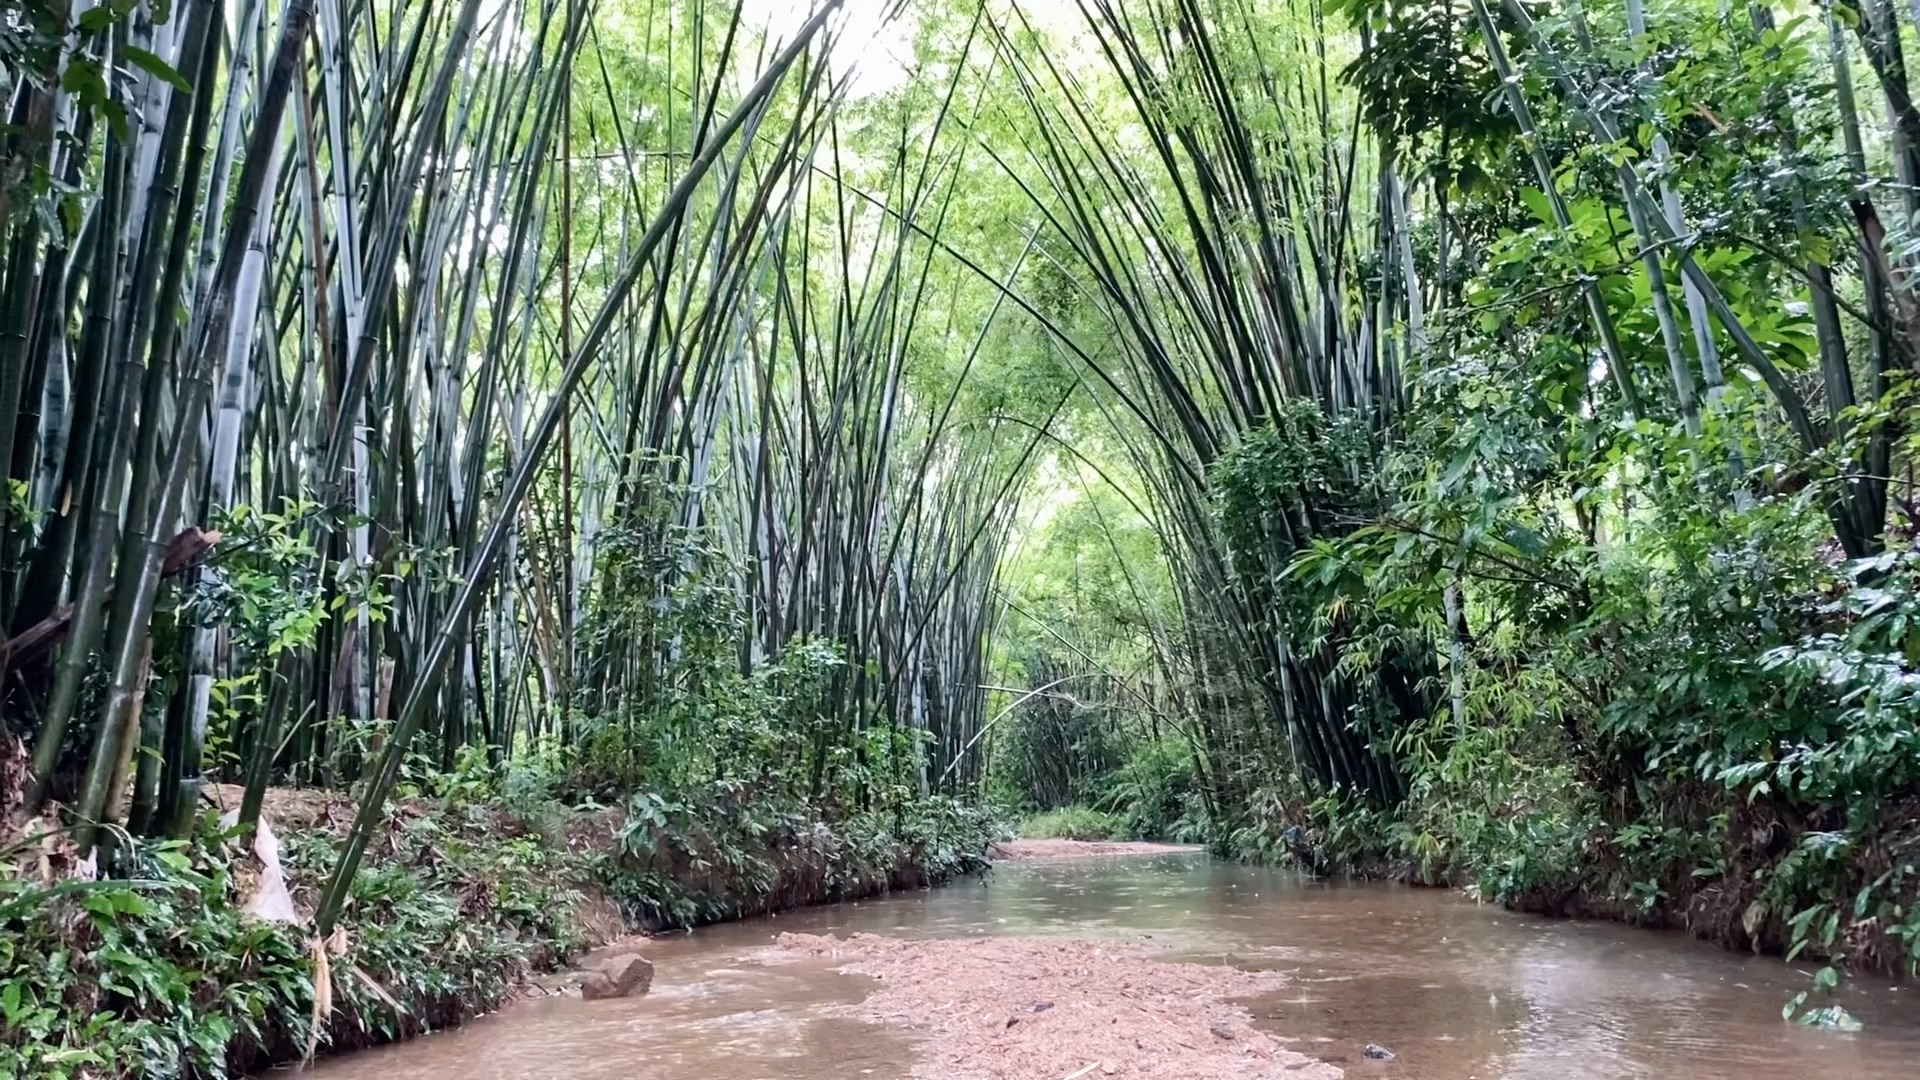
x: 1042, y: 1006
x: 1222, y: 1031
x: 628, y: 975
x: 1376, y: 1052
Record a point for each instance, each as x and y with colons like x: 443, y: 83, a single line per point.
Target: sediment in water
x: 1017, y: 1008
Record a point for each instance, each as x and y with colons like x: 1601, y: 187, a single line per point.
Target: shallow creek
x: 1457, y: 990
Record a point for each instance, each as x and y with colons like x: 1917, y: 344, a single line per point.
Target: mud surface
x: 1029, y: 850
x: 1042, y: 1009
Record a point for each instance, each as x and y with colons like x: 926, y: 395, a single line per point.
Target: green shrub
x: 720, y: 855
x: 1156, y: 795
x: 162, y: 974
x: 1073, y: 823
x: 157, y: 975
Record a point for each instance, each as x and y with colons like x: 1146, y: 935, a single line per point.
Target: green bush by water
x: 1073, y: 823
x: 161, y: 974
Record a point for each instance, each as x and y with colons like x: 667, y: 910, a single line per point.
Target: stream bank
x: 458, y: 907
x: 1752, y: 876
x: 1455, y: 990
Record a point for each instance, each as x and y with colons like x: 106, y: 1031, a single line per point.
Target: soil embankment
x: 1044, y: 1009
x: 460, y: 905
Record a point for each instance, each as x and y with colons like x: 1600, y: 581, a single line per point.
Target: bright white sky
x: 884, y: 51
x: 881, y: 54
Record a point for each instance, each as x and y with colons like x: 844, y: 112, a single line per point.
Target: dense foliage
x: 1458, y: 439
x: 1526, y: 436
x: 517, y: 392
x: 165, y: 974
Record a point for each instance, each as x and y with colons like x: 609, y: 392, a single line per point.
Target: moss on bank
x: 163, y: 974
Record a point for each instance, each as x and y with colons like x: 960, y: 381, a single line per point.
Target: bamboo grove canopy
x: 392, y: 379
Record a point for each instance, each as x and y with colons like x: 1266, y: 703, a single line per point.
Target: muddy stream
x: 1456, y: 990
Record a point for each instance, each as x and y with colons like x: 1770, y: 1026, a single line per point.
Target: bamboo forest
x: 1160, y: 538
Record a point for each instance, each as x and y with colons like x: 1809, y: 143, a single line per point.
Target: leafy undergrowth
x: 1073, y: 823
x: 731, y: 855
x: 163, y: 974
x: 1762, y: 876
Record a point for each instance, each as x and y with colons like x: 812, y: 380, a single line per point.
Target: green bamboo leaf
x: 157, y: 67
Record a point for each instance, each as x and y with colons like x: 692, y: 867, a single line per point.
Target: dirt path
x: 1023, y: 850
x: 1046, y: 1009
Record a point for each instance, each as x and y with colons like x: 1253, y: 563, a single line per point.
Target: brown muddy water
x: 1457, y: 990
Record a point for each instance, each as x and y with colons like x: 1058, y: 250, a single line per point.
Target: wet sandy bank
x: 1021, y: 1008
x: 1031, y: 850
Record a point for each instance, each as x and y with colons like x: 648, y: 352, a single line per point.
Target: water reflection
x: 1457, y: 990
